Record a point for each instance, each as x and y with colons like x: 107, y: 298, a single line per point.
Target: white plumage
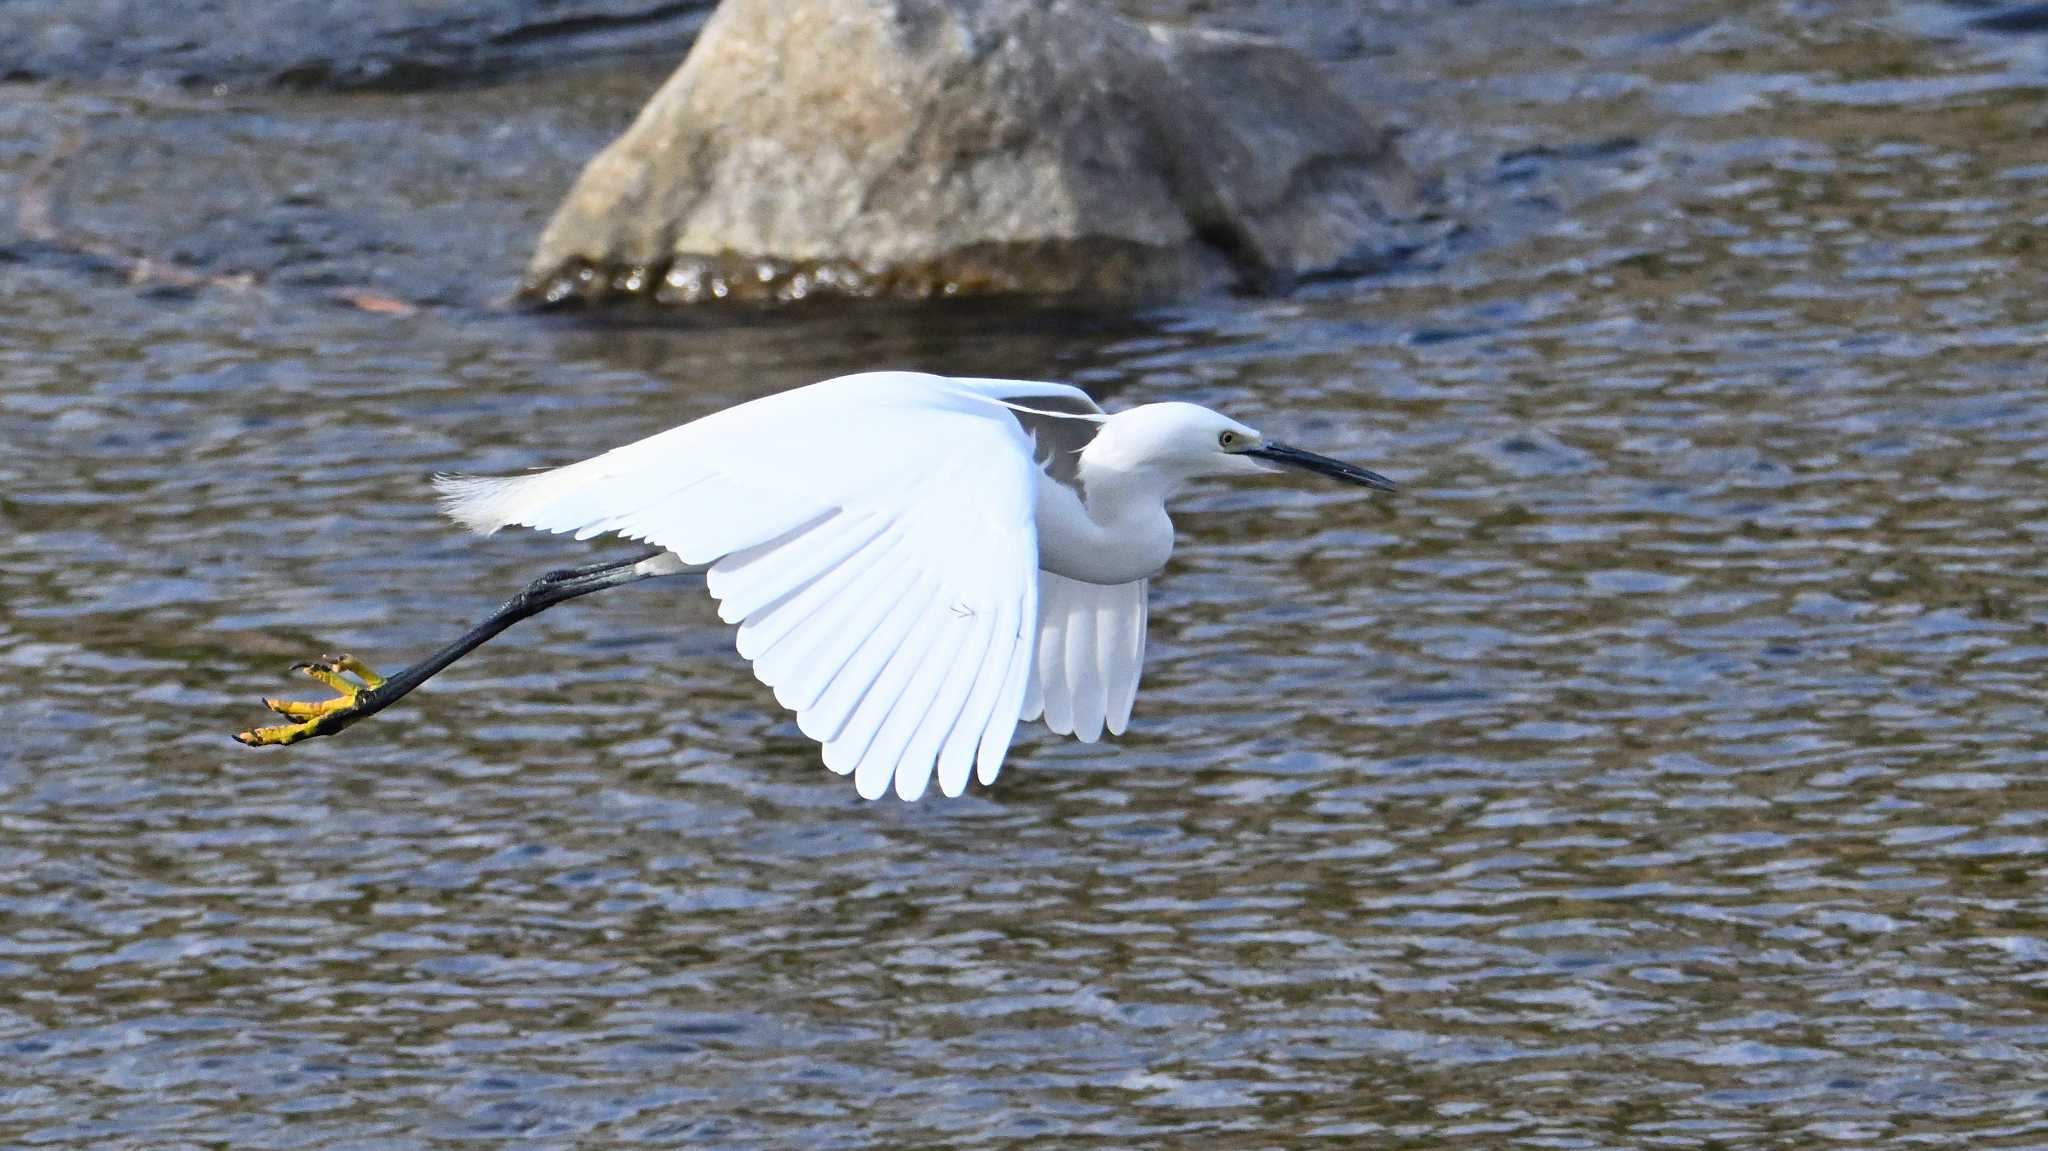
x: 1091, y: 648
x: 914, y: 563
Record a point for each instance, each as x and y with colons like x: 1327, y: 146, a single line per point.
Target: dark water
x: 1661, y: 768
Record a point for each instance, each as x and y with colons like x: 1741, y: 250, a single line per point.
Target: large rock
x: 961, y: 147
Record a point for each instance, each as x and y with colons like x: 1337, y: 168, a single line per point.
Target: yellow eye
x: 1228, y: 440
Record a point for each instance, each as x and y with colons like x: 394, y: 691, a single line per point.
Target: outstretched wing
x: 873, y: 536
x: 1091, y: 650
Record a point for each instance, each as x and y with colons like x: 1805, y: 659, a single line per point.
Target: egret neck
x: 1117, y: 531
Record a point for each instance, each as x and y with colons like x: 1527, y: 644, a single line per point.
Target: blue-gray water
x: 1663, y: 767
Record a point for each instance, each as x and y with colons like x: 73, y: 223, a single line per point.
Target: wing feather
x: 1002, y: 724
x: 818, y: 653
x: 1055, y: 693
x: 1084, y: 674
x: 1126, y: 658
x: 887, y: 690
x: 874, y: 538
x: 1091, y: 654
x: 921, y: 755
x: 957, y: 755
x: 762, y: 633
x: 885, y: 760
x: 826, y: 721
x: 749, y: 580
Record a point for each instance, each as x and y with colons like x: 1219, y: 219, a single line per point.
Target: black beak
x: 1321, y: 465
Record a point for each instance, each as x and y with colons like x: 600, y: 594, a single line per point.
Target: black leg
x: 374, y: 693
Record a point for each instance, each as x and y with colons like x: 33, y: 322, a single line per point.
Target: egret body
x: 915, y: 563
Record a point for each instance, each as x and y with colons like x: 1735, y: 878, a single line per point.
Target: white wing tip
x: 911, y: 781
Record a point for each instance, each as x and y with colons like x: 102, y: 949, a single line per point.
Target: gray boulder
x: 974, y: 147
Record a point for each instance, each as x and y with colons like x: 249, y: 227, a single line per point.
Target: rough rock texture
x: 960, y: 147
x: 346, y: 44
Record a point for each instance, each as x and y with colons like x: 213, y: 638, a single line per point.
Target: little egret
x: 915, y: 563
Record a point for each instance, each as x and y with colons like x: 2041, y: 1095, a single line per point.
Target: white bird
x: 915, y: 563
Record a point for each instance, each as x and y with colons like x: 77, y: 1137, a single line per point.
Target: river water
x: 1661, y: 767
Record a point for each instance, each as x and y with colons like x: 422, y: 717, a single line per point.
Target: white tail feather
x: 483, y: 504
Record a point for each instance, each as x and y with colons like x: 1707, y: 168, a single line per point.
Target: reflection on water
x: 1662, y: 767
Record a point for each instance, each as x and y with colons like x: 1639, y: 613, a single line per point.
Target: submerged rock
x: 973, y: 147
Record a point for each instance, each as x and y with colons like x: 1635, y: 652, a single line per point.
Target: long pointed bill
x: 1293, y: 457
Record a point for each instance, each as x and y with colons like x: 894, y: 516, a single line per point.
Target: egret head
x: 1183, y: 440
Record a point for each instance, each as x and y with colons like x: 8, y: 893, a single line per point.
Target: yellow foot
x: 322, y: 717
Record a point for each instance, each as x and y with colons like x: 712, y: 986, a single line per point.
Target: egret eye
x: 1229, y: 440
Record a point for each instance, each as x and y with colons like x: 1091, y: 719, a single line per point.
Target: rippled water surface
x: 1662, y: 767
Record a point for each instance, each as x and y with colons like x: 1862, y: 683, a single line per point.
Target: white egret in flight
x: 915, y: 563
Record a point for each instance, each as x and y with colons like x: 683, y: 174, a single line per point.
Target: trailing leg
x: 361, y: 693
